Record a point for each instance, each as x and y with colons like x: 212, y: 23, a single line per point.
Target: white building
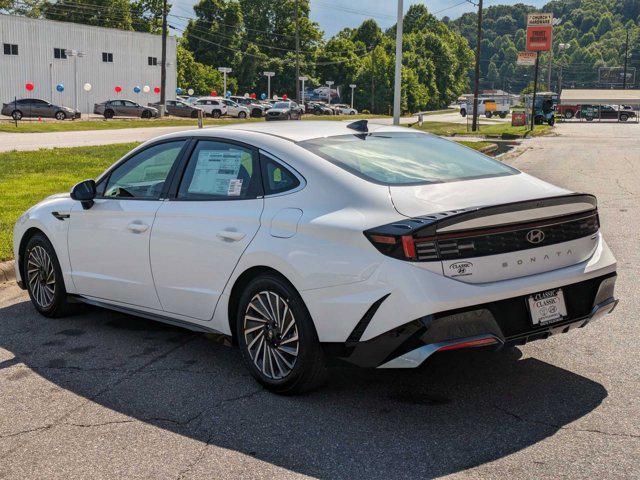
x: 41, y: 52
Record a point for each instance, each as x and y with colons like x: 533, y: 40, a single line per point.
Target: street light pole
x: 269, y: 75
x: 352, y: 86
x: 224, y: 71
x: 626, y: 55
x: 297, y: 55
x: 329, y: 83
x: 302, y: 79
x: 397, y: 90
x: 476, y: 80
x: 75, y: 54
x: 163, y: 65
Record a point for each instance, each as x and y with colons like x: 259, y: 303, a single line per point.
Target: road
x: 35, y: 141
x: 104, y: 395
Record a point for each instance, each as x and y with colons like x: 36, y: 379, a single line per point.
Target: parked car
x: 487, y: 107
x: 286, y: 110
x: 234, y: 109
x: 124, y: 108
x: 378, y: 245
x: 319, y: 108
x: 179, y: 108
x: 256, y: 109
x: 609, y: 112
x: 212, y: 106
x: 33, y: 107
x: 569, y: 111
x: 344, y: 109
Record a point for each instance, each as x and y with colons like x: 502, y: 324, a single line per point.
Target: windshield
x: 405, y: 158
x: 281, y: 105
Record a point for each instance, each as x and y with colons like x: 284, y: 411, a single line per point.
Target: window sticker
x: 216, y: 173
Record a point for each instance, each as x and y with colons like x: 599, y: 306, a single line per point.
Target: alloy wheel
x: 271, y: 335
x: 41, y: 277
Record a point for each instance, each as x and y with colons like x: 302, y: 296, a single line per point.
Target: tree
x: 192, y: 74
x: 103, y: 13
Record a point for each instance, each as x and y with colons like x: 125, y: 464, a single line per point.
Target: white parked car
x: 378, y: 245
x: 344, y: 109
x: 234, y: 109
x: 212, y: 106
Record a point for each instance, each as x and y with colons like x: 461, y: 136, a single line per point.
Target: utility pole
x: 352, y: 87
x: 476, y: 81
x: 303, y: 79
x: 269, y: 75
x: 224, y: 71
x: 297, y: 55
x: 397, y: 82
x: 535, y: 88
x: 163, y: 65
x: 626, y: 53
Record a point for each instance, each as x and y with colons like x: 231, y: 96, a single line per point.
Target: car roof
x: 296, y: 131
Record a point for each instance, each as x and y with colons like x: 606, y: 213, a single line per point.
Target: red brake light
x: 471, y: 343
x: 408, y: 247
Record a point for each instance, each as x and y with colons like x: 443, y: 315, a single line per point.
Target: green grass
x: 28, y: 177
x: 447, y: 129
x: 49, y: 125
x: 480, y: 146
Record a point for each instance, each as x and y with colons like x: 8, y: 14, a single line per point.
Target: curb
x: 7, y: 271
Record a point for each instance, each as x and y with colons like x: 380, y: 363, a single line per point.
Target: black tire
x: 503, y: 115
x: 57, y: 305
x: 538, y: 120
x: 568, y: 114
x: 256, y: 113
x: 306, y: 369
x: 463, y: 112
x: 146, y: 114
x: 16, y: 115
x: 242, y: 115
x: 288, y: 116
x: 488, y: 114
x: 216, y: 114
x: 552, y: 121
x: 624, y: 117
x: 108, y: 114
x: 589, y: 118
x: 60, y: 115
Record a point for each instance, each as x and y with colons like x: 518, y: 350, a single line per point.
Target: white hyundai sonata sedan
x: 374, y: 244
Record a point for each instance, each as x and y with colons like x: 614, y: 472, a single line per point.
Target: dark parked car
x: 32, y: 107
x: 124, y: 108
x: 179, y: 108
x: 284, y: 111
x: 256, y: 109
x: 609, y: 112
x: 319, y: 108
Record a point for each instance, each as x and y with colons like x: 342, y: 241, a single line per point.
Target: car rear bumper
x: 496, y: 324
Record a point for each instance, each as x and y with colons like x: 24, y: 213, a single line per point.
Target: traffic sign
x: 526, y: 58
x: 539, y: 19
x: 539, y: 38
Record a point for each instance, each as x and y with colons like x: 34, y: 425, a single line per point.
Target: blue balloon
x: 179, y: 91
x: 228, y: 93
x: 263, y: 96
x: 136, y: 89
x: 60, y: 87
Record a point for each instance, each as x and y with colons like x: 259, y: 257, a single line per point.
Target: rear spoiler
x: 429, y: 225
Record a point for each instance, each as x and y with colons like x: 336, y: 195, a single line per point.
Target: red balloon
x: 284, y: 97
x: 214, y: 93
x: 156, y: 89
x: 253, y: 95
x: 118, y: 89
x: 29, y: 87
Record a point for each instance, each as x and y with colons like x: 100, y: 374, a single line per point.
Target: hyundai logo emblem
x: 535, y: 236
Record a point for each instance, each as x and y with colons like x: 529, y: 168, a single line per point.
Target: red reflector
x: 383, y: 239
x: 472, y: 343
x: 408, y: 246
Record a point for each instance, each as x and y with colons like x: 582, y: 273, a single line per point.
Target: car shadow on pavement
x: 462, y: 409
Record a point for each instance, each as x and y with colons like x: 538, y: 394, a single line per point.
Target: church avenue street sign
x: 539, y: 32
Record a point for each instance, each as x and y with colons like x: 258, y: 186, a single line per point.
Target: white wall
x: 35, y: 62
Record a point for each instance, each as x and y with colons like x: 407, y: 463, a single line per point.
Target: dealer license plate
x: 547, y: 307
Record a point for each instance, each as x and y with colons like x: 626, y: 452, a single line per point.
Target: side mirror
x: 84, y: 192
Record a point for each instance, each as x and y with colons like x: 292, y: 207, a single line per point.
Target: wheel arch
x: 26, y: 236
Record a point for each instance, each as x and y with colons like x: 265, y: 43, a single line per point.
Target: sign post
x: 303, y: 79
x: 539, y: 38
x: 269, y: 75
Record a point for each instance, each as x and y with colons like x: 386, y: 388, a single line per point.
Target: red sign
x: 539, y: 38
x: 518, y: 119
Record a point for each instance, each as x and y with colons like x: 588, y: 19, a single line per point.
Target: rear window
x: 405, y: 158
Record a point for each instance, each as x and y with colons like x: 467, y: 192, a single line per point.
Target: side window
x: 221, y: 171
x: 144, y: 174
x: 276, y: 178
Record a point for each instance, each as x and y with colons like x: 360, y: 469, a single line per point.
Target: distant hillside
x: 595, y: 29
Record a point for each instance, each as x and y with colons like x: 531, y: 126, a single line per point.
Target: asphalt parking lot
x: 105, y: 395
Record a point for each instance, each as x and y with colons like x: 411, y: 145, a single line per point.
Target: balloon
x: 156, y: 90
x: 253, y: 95
x: 191, y: 91
x: 246, y: 95
x: 29, y: 87
x: 228, y: 93
x: 146, y: 89
x: 179, y: 91
x: 263, y: 96
x: 60, y: 87
x: 284, y: 97
x: 118, y: 89
x: 214, y: 93
x: 87, y: 87
x: 275, y: 97
x: 136, y: 89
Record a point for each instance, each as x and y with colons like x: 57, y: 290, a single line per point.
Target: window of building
x: 59, y: 53
x: 10, y: 49
x: 107, y: 57
x: 153, y: 61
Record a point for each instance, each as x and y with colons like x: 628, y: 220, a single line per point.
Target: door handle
x: 231, y: 235
x: 138, y: 227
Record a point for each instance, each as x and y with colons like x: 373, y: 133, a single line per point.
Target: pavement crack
x: 564, y: 427
x: 24, y: 432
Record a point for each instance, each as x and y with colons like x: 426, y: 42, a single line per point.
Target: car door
x: 118, y: 107
x: 199, y: 234
x: 39, y: 108
x: 109, y: 242
x: 232, y: 108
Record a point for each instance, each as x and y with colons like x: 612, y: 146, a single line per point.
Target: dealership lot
x: 105, y: 395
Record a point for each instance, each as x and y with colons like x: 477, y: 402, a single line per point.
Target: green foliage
x: 595, y: 29
x: 192, y: 74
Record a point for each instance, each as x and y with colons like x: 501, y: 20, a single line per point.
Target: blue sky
x: 333, y: 15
